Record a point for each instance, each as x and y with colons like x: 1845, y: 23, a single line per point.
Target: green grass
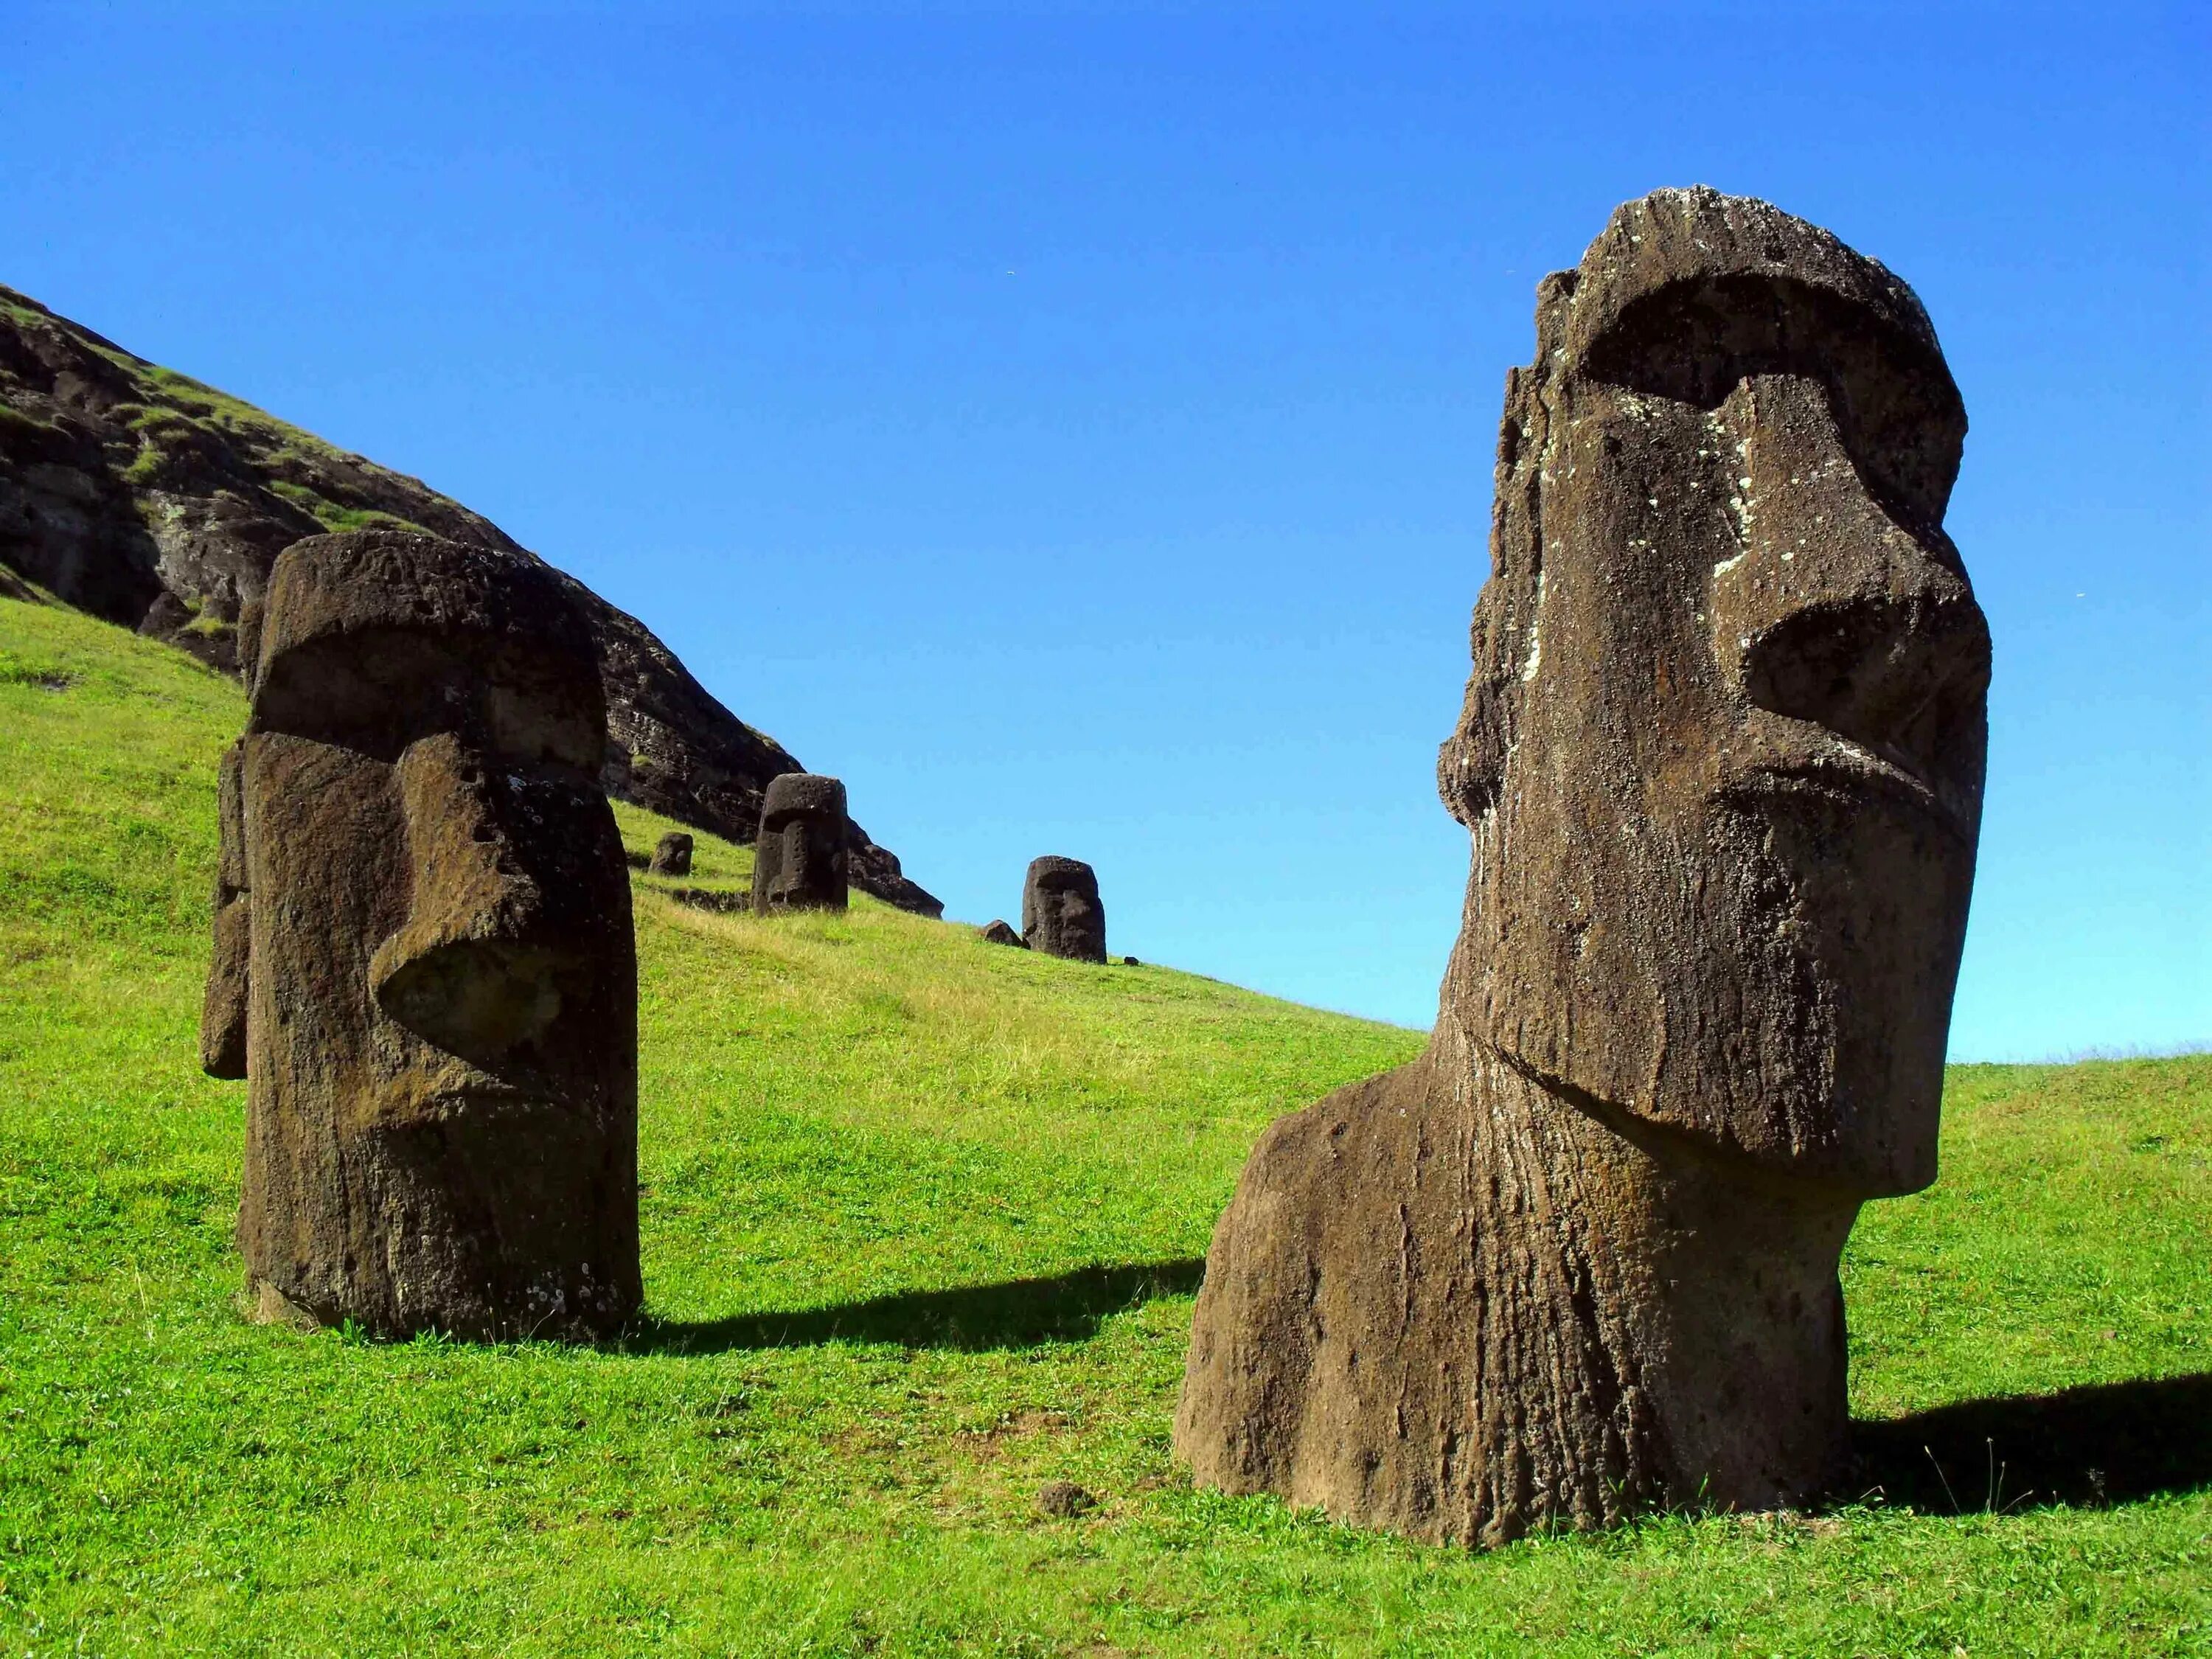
x: 921, y: 1219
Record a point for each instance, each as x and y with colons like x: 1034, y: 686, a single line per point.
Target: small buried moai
x: 423, y: 965
x: 673, y: 857
x: 1721, y: 759
x: 798, y: 863
x: 1061, y: 914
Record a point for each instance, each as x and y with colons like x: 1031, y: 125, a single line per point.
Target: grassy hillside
x: 922, y: 1219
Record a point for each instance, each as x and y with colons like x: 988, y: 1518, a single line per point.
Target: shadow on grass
x: 1019, y: 1313
x: 2101, y: 1445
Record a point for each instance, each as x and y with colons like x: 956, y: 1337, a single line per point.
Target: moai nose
x: 1835, y: 612
x: 469, y: 969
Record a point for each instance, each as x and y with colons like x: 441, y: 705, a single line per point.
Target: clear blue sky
x: 1073, y: 426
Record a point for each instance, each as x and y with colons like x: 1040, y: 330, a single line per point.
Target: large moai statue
x: 798, y: 863
x: 1721, y: 759
x: 423, y: 963
x: 1061, y: 914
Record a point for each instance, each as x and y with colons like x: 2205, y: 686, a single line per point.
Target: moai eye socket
x: 1893, y: 399
x: 380, y: 691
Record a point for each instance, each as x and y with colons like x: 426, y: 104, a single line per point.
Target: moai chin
x: 798, y: 863
x: 1721, y: 758
x: 672, y: 856
x: 423, y: 963
x: 1061, y: 914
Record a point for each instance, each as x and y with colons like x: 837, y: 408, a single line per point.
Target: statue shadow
x: 1019, y: 1313
x: 2104, y: 1443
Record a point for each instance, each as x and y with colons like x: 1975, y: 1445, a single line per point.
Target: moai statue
x: 1062, y: 915
x: 1721, y: 759
x: 798, y: 863
x: 673, y: 857
x: 423, y: 965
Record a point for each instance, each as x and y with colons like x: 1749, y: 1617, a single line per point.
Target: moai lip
x: 424, y: 962
x: 799, y: 862
x: 1061, y: 914
x: 1727, y: 713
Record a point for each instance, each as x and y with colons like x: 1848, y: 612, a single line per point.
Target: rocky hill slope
x: 146, y: 498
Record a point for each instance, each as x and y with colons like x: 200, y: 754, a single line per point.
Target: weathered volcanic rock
x: 157, y: 502
x: 1721, y: 758
x: 673, y: 857
x: 1002, y: 933
x: 1061, y: 914
x: 798, y: 863
x: 423, y: 951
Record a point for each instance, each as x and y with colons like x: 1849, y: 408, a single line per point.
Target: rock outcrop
x: 150, y: 499
x: 1721, y: 758
x: 423, y: 964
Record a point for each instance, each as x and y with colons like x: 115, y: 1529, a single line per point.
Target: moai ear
x: 222, y: 1016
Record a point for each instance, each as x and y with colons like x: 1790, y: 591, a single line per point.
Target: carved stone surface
x: 1002, y: 933
x: 673, y: 857
x: 1721, y: 758
x: 1062, y: 915
x: 423, y: 958
x: 798, y: 863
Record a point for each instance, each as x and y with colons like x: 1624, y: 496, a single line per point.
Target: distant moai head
x: 673, y: 857
x: 1061, y: 914
x: 798, y: 863
x: 1722, y: 754
x: 424, y: 957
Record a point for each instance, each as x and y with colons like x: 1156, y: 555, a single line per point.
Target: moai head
x: 435, y: 972
x: 1722, y: 754
x: 798, y: 863
x: 1062, y: 915
x: 673, y: 857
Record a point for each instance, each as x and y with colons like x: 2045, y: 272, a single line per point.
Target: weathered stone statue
x: 673, y: 857
x: 1002, y: 933
x: 1062, y: 915
x: 1722, y: 760
x: 423, y: 965
x: 798, y: 863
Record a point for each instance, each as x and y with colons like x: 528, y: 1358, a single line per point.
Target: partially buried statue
x: 798, y: 863
x: 423, y: 962
x: 1722, y: 760
x: 672, y: 856
x: 1061, y: 914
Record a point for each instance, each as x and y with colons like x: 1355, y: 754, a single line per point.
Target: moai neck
x: 1679, y: 1322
